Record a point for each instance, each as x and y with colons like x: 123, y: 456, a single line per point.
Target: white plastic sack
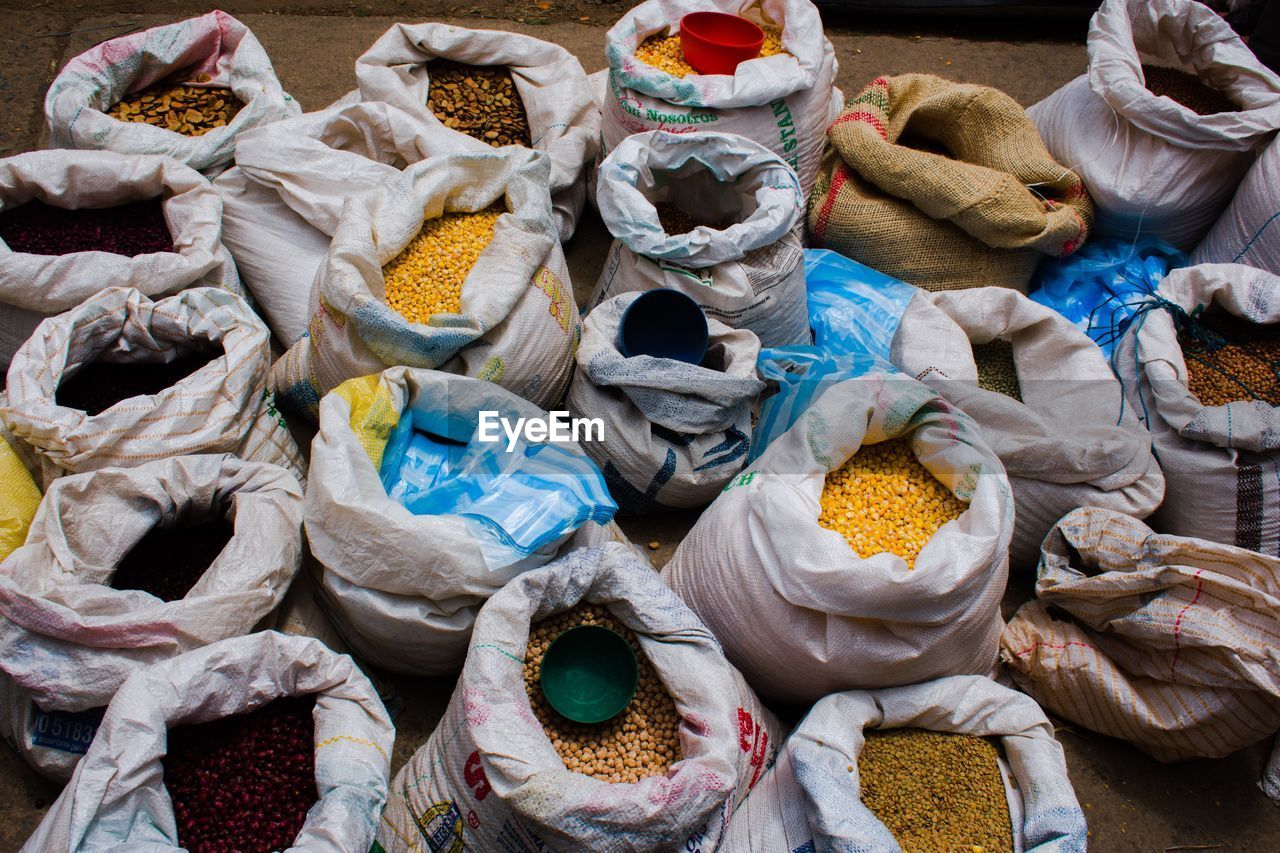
x: 1219, y: 462
x: 798, y: 611
x: 33, y: 287
x: 674, y: 433
x: 68, y: 639
x: 1154, y: 167
x: 748, y: 275
x: 564, y: 120
x: 822, y: 758
x: 519, y: 322
x: 284, y: 197
x: 1061, y: 446
x: 1248, y: 232
x: 223, y: 407
x: 1165, y: 641
x: 402, y: 589
x: 783, y: 102
x: 215, y: 44
x: 117, y: 800
x: 489, y: 758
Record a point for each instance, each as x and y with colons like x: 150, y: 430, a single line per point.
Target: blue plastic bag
x: 521, y: 500
x: 1100, y: 286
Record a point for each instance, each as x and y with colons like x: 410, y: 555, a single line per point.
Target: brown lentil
x: 99, y: 385
x: 996, y: 370
x: 664, y: 53
x: 676, y: 221
x: 1231, y: 359
x: 426, y: 278
x: 884, y: 500
x: 168, y: 561
x: 640, y: 742
x: 478, y: 100
x: 180, y: 107
x: 1187, y: 89
x: 935, y: 790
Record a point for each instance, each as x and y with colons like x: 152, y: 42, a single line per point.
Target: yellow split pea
x: 883, y: 499
x: 664, y: 53
x: 426, y: 277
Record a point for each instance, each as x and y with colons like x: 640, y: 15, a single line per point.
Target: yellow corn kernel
x: 426, y: 278
x: 664, y: 53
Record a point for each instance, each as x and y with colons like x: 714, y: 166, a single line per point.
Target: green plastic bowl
x: 589, y: 674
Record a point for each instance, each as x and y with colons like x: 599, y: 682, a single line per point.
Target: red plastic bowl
x: 715, y: 42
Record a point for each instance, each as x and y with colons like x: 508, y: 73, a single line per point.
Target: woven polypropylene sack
x: 783, y: 102
x: 1164, y: 641
x: 773, y: 584
x: 69, y: 639
x: 489, y: 757
x: 19, y: 497
x: 983, y: 213
x: 222, y: 407
x: 673, y: 433
x: 1219, y: 462
x: 33, y: 287
x: 1154, y: 167
x: 821, y: 758
x: 747, y: 273
x: 519, y: 323
x: 564, y: 120
x: 1248, y: 232
x: 1069, y: 442
x: 117, y: 799
x: 283, y: 200
x: 216, y: 45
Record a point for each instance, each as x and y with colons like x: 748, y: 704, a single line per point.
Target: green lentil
x: 996, y: 370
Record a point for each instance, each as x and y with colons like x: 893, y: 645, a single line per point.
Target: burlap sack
x: 982, y: 213
x: 1165, y: 641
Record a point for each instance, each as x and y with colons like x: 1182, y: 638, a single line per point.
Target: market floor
x: 1131, y: 801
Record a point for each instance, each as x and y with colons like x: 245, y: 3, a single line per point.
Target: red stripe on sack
x: 1177, y: 623
x: 1031, y: 648
x: 862, y: 116
x: 1074, y: 243
x: 838, y: 178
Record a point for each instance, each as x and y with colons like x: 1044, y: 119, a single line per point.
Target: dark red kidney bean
x: 131, y: 229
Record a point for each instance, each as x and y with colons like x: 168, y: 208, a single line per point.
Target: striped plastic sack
x: 1248, y: 232
x: 403, y: 589
x: 519, y: 323
x: 783, y: 102
x: 116, y: 800
x: 491, y: 761
x: 215, y: 45
x: 1221, y: 464
x: 1165, y: 641
x: 774, y: 585
x: 222, y: 407
x: 68, y: 639
x: 33, y: 287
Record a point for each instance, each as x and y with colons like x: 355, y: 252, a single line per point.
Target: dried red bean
x: 99, y: 385
x: 128, y: 229
x: 168, y: 561
x: 244, y: 782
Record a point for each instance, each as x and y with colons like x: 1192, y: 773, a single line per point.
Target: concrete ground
x: 1132, y: 802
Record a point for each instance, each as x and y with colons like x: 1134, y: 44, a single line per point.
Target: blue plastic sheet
x: 1101, y: 286
x: 524, y: 499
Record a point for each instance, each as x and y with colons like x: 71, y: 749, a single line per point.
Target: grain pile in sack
x: 124, y: 567
x: 1165, y: 641
x: 559, y: 107
x: 490, y: 759
x: 214, y: 52
x: 1045, y: 400
x: 518, y: 323
x: 774, y: 584
x: 120, y: 796
x: 189, y: 372
x: 283, y: 199
x: 1219, y: 458
x: 403, y: 588
x: 710, y: 215
x: 674, y: 433
x: 945, y: 186
x: 820, y: 801
x: 783, y: 102
x: 35, y: 285
x: 1248, y: 232
x: 1154, y: 166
